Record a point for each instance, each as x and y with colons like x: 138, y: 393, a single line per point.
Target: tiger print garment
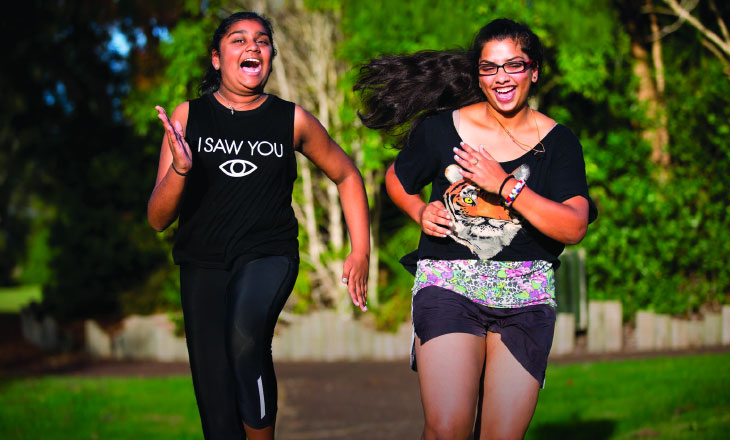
x: 480, y: 222
x: 503, y: 284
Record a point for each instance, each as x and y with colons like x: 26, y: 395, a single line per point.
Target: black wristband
x: 501, y: 187
x: 178, y: 172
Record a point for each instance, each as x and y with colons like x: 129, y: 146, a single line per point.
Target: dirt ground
x: 318, y: 400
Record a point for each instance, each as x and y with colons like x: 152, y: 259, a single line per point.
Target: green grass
x: 12, y: 299
x: 667, y: 398
x: 68, y: 407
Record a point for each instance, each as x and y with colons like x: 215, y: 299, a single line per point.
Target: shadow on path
x: 578, y: 430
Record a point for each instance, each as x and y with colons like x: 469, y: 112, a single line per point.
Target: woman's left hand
x: 355, y: 275
x: 480, y: 167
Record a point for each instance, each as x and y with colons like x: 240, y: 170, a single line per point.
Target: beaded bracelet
x: 515, y: 192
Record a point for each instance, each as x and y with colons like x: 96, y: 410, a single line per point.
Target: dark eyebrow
x: 255, y: 35
x: 517, y: 58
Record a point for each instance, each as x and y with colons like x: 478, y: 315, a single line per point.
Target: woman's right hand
x: 435, y: 220
x: 182, y: 158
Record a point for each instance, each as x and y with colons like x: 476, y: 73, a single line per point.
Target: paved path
x: 362, y: 400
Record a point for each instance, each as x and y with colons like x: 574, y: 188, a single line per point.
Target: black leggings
x: 229, y: 324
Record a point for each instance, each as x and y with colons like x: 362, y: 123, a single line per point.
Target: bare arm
x: 566, y: 222
x: 164, y: 203
x: 317, y: 145
x: 433, y: 218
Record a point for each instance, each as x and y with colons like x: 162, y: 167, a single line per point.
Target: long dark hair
x: 402, y: 90
x: 212, y: 79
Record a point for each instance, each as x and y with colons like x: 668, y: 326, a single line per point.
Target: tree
x: 67, y: 148
x: 719, y: 45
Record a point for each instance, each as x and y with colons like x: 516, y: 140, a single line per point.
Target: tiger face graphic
x: 480, y: 221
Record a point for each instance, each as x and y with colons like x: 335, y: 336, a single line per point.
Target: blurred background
x: 645, y: 85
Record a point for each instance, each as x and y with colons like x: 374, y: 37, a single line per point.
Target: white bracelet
x: 514, y: 193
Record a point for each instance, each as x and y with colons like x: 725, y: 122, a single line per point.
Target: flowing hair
x: 399, y: 91
x: 212, y: 79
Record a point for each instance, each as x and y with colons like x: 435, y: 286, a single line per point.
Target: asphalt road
x: 360, y: 400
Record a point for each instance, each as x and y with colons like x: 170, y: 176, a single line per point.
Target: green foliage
x: 301, y: 300
x: 374, y: 28
x: 187, y: 57
x: 394, y: 287
x: 34, y: 270
x: 13, y: 299
x: 659, y: 241
x: 78, y: 178
x: 159, y: 293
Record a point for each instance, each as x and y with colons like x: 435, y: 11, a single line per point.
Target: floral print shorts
x: 504, y: 284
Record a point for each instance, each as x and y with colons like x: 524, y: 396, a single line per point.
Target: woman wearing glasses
x: 508, y: 193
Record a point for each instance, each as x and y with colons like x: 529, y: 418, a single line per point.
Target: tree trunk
x: 306, y: 71
x: 651, y: 83
x: 660, y: 136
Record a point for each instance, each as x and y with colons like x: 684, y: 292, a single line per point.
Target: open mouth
x: 505, y: 93
x: 251, y: 66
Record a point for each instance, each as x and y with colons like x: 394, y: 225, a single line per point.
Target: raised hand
x: 182, y: 159
x: 480, y: 167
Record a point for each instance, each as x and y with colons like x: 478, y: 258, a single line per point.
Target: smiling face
x: 244, y: 58
x: 507, y: 93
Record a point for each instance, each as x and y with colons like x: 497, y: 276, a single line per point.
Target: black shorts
x: 526, y: 331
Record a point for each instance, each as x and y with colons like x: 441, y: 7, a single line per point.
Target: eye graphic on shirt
x: 237, y: 167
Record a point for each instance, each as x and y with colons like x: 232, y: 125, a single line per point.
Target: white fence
x: 326, y: 336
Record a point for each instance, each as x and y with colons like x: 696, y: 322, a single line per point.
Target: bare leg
x: 509, y: 394
x: 449, y: 368
x: 259, y: 434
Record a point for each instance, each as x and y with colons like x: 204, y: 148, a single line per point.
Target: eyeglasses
x: 509, y: 67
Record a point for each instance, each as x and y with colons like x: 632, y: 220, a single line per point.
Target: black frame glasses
x: 509, y: 67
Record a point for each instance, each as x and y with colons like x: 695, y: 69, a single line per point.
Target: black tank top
x: 237, y: 200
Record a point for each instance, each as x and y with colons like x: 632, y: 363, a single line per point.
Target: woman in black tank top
x: 226, y: 169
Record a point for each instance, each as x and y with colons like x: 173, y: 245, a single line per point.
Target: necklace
x: 230, y: 106
x: 514, y: 139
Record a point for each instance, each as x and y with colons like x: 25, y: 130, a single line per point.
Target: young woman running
x: 508, y: 193
x: 227, y: 169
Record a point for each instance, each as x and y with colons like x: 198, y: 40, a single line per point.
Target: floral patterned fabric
x: 504, y: 284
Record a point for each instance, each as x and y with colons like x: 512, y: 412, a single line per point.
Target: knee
x: 246, y: 343
x: 444, y: 428
x: 243, y: 342
x: 504, y: 432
